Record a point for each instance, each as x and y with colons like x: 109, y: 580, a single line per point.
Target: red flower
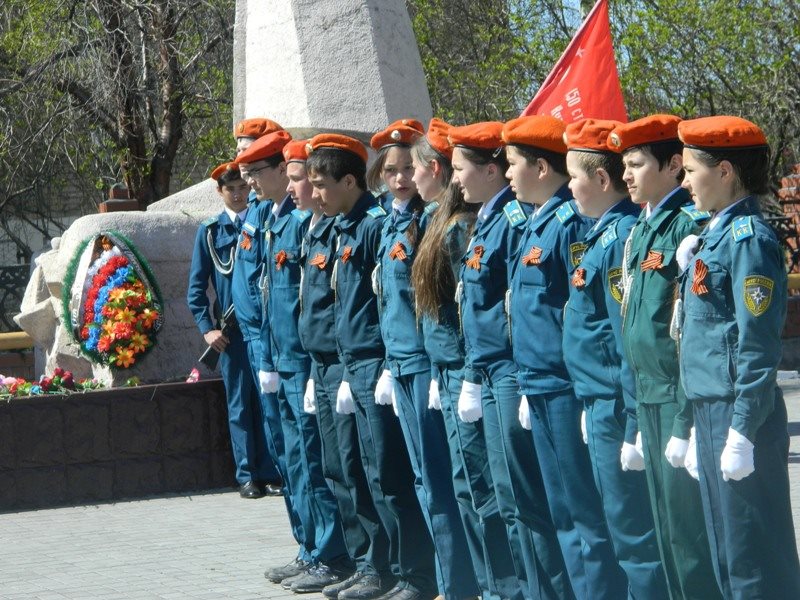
x: 104, y: 343
x: 122, y: 330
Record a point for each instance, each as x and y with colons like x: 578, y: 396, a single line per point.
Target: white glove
x: 344, y: 400
x: 469, y: 402
x: 309, y: 399
x: 394, y: 404
x: 630, y: 459
x: 384, y: 388
x: 524, y: 414
x: 676, y: 451
x: 639, y: 445
x: 268, y: 381
x: 583, y: 427
x: 686, y: 251
x: 736, y: 461
x: 434, y: 400
x: 691, y: 456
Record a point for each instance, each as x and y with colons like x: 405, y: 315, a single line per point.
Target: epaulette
x: 249, y: 228
x: 376, y: 211
x: 742, y: 228
x: 694, y: 213
x: 210, y: 221
x: 301, y: 215
x: 514, y: 213
x: 432, y: 206
x: 609, y: 235
x: 565, y: 212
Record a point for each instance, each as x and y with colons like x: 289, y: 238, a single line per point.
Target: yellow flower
x: 117, y: 294
x: 139, y: 342
x: 124, y: 357
x: 125, y: 315
x: 108, y: 328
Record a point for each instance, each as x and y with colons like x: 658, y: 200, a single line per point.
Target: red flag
x: 584, y: 82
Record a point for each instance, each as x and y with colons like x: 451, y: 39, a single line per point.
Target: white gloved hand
x: 686, y: 251
x: 268, y: 381
x: 344, y: 400
x: 384, y: 388
x: 469, y: 402
x: 434, y: 400
x: 639, y: 445
x: 736, y: 461
x: 691, y: 456
x: 583, y: 427
x: 630, y: 459
x: 394, y: 404
x: 524, y: 414
x: 676, y: 451
x: 310, y: 399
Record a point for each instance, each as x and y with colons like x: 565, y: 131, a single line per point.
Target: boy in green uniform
x: 651, y: 153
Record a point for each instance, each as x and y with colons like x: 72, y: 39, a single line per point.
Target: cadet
x: 336, y: 167
x: 550, y: 250
x: 407, y: 374
x: 213, y: 258
x: 433, y: 279
x: 594, y: 357
x: 364, y: 535
x: 734, y: 305
x: 490, y: 388
x: 259, y: 169
x: 651, y: 153
x: 284, y: 370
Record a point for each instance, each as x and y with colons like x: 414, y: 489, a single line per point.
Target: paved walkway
x: 209, y: 546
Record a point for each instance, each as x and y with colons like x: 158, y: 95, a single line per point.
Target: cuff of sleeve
x: 472, y: 376
x: 205, y: 326
x: 681, y: 428
x: 745, y: 427
x: 631, y: 429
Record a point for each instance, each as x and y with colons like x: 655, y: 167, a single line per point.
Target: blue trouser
x: 749, y: 522
x: 625, y: 501
x: 273, y: 429
x: 426, y: 441
x: 487, y: 538
x: 520, y: 492
x: 366, y: 540
x: 250, y: 454
x: 677, y: 510
x: 391, y: 479
x: 311, y: 497
x: 574, y: 500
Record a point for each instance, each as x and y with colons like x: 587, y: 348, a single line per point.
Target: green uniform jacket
x: 650, y: 351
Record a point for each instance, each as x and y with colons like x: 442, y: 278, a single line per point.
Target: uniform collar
x: 715, y: 220
x: 612, y: 215
x: 657, y: 208
x: 550, y: 207
x: 486, y: 210
x: 232, y: 215
x: 364, y: 203
x: 745, y: 206
x: 321, y: 227
x: 668, y: 206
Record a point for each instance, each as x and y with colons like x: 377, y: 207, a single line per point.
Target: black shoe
x: 250, y: 490
x: 366, y: 588
x: 273, y: 489
x: 316, y: 578
x: 278, y: 574
x: 332, y: 591
x: 287, y: 583
x: 402, y: 591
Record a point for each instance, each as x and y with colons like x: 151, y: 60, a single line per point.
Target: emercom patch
x: 758, y: 294
x: 576, y: 252
x: 615, y: 284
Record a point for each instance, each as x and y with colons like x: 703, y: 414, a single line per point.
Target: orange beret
x: 721, y: 132
x: 404, y: 131
x: 265, y: 147
x: 255, y: 128
x: 589, y: 135
x: 649, y: 130
x: 222, y: 169
x: 540, y: 131
x: 437, y: 137
x: 487, y: 135
x: 337, y: 142
x: 295, y: 151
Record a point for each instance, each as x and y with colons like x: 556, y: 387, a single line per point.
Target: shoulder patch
x: 758, y: 294
x: 514, y: 213
x: 564, y: 212
x: 609, y: 235
x: 615, y: 283
x: 576, y: 252
x: 742, y: 228
x: 376, y: 211
x: 249, y: 228
x: 431, y: 207
x: 301, y: 215
x: 695, y: 214
x: 210, y: 221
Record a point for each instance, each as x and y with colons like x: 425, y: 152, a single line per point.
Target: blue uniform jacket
x: 485, y: 278
x: 282, y: 259
x: 549, y: 252
x: 358, y: 330
x: 444, y: 341
x: 223, y: 237
x: 316, y: 324
x: 402, y: 335
x: 592, y: 343
x: 734, y: 306
x: 248, y: 270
